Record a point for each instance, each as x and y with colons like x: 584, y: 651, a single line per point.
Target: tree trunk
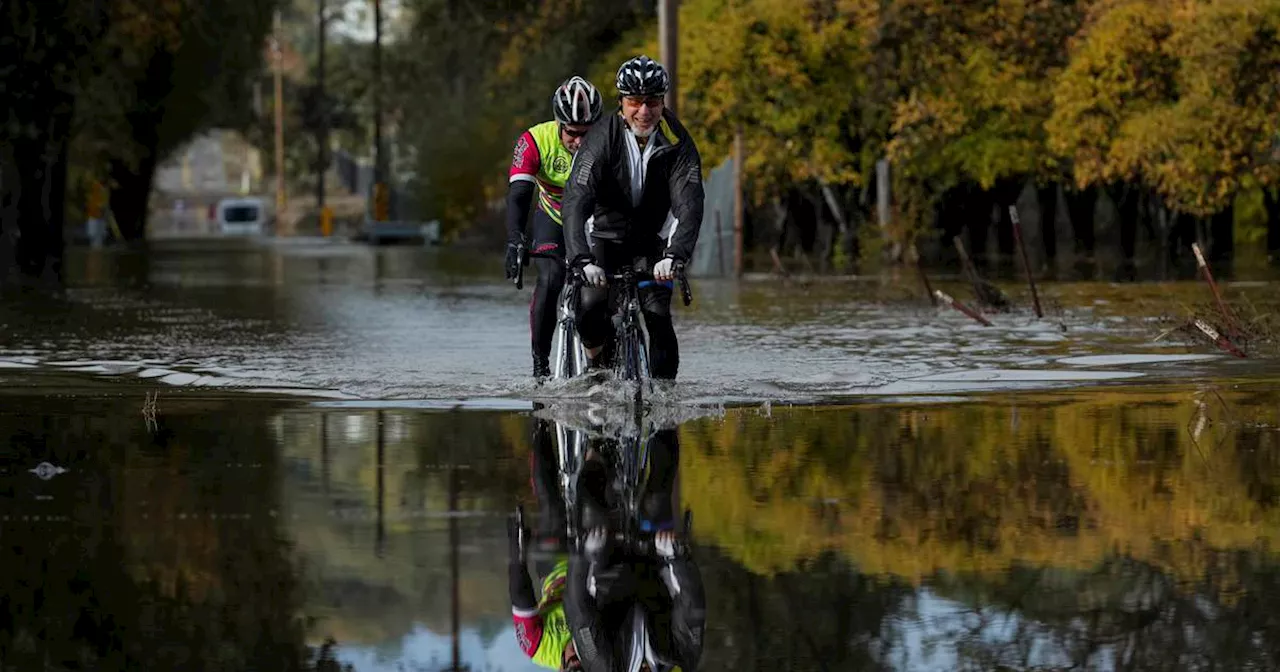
x: 1222, y: 235
x: 1182, y: 233
x: 40, y: 192
x: 131, y: 189
x: 1273, y: 221
x: 131, y: 194
x: 1080, y: 206
x: 1127, y: 210
x: 1005, y: 194
x: 978, y: 219
x: 1048, y: 200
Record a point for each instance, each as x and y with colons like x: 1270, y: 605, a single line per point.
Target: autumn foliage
x: 1177, y: 98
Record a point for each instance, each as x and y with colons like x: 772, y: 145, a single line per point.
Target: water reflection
x: 1106, y: 530
x: 606, y: 600
x: 1128, y: 528
x: 151, y: 550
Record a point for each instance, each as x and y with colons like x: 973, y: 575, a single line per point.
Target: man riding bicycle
x: 635, y: 192
x: 541, y: 160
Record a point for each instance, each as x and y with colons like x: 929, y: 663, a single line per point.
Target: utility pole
x: 379, y: 163
x: 737, y: 202
x: 322, y: 139
x: 668, y: 26
x: 279, y: 76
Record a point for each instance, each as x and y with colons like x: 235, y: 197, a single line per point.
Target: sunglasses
x: 647, y: 101
x: 573, y: 133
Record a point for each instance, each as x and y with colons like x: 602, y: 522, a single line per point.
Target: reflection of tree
x: 824, y: 616
x: 1055, y: 480
x: 1088, y: 530
x: 433, y: 463
x: 1121, y: 615
x: 127, y: 566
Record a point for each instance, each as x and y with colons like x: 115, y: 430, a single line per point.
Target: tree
x: 44, y: 53
x: 198, y: 80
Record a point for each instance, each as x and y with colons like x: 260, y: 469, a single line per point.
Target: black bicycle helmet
x: 642, y: 76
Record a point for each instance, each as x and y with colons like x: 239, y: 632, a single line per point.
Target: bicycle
x: 568, y: 357
x: 631, y: 334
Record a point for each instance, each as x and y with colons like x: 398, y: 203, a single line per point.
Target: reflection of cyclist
x: 542, y: 157
x: 603, y: 583
x: 540, y: 624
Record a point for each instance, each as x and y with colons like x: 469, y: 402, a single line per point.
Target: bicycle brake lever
x: 520, y: 262
x: 686, y: 294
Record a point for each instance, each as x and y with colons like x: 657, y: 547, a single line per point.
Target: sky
x: 356, y: 20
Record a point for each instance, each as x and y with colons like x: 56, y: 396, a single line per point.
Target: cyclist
x: 635, y: 192
x: 602, y: 583
x: 541, y: 161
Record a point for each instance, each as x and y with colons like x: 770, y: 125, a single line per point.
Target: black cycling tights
x: 595, y: 325
x: 542, y: 307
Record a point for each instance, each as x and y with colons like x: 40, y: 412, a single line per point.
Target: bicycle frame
x: 633, y: 333
x: 569, y: 358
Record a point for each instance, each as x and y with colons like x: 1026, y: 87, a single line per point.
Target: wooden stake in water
x: 1218, y: 339
x: 1227, y: 316
x: 946, y: 298
x: 985, y: 292
x: 1026, y: 263
x: 924, y: 277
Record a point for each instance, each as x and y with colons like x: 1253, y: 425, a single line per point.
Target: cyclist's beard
x: 640, y: 132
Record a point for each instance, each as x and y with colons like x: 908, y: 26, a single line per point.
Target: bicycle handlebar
x: 523, y: 256
x: 686, y: 293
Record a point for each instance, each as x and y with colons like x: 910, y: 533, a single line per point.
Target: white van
x: 241, y: 216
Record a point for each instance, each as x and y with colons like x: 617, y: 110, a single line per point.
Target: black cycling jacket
x: 599, y: 186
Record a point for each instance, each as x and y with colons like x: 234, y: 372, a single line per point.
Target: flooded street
x: 348, y: 321
x: 234, y: 458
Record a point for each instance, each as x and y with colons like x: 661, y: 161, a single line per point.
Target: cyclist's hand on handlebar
x: 594, y: 275
x: 665, y: 269
x: 512, y: 263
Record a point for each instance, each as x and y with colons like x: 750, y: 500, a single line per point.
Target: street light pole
x: 380, y: 195
x: 322, y: 139
x: 278, y: 53
x: 668, y: 26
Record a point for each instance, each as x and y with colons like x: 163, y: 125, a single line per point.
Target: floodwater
x: 438, y: 326
x: 237, y: 457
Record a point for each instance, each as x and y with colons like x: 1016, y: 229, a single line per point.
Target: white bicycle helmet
x: 576, y: 102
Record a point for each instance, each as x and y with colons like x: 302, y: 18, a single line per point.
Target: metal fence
x: 713, y: 256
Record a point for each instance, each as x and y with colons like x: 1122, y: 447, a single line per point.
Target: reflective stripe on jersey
x: 541, y: 157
